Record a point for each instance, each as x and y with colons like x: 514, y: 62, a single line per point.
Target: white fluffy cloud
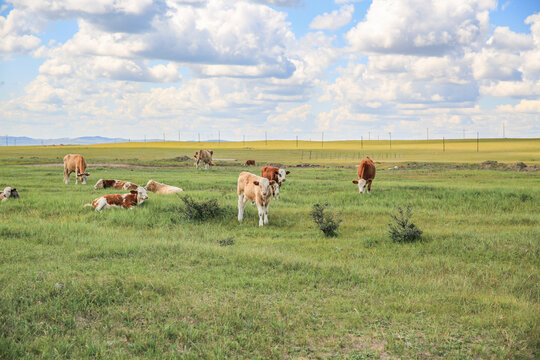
x: 420, y: 27
x: 333, y: 20
x: 16, y: 33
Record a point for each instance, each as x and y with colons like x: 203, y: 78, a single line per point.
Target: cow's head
x: 7, y: 192
x: 281, y: 175
x: 150, y: 185
x: 275, y: 188
x: 83, y: 176
x: 361, y: 185
x: 141, y: 194
x: 265, y: 186
x: 99, y: 184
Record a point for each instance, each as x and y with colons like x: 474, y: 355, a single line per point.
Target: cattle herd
x: 250, y: 187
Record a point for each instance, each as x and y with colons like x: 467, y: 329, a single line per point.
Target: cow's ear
x: 272, y: 182
x: 133, y: 192
x: 287, y: 172
x: 355, y: 181
x: 211, y: 152
x: 256, y: 183
x: 13, y: 189
x: 276, y: 172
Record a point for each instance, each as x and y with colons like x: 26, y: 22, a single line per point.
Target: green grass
x: 149, y: 283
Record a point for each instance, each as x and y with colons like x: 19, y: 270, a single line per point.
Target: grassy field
x: 149, y: 283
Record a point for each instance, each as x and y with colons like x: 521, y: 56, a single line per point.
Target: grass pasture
x: 148, y: 283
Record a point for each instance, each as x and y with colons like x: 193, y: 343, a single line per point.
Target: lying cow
x: 366, y: 174
x: 126, y: 201
x: 75, y: 163
x: 115, y: 184
x: 204, y: 156
x: 276, y: 174
x: 257, y: 189
x: 249, y: 163
x: 160, y: 188
x: 8, y: 193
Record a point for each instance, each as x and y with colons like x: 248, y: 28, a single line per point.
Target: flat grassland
x: 149, y: 283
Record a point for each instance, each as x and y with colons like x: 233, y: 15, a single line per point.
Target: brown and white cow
x: 276, y: 174
x: 115, y: 184
x: 75, y: 163
x: 249, y: 163
x: 257, y: 189
x: 126, y: 201
x: 366, y: 174
x: 8, y: 193
x: 204, y: 156
x: 160, y: 188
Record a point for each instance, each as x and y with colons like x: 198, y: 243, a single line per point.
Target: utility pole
x: 369, y: 135
x: 322, y: 140
x: 218, y: 137
x: 178, y: 135
x: 163, y: 137
x: 199, y: 137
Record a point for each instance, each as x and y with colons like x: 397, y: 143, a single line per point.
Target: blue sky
x: 135, y: 68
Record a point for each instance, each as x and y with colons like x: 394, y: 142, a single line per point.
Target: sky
x: 276, y: 68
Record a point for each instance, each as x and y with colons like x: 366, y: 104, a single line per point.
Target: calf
x: 276, y: 174
x: 204, y: 156
x: 9, y: 192
x: 75, y: 163
x: 249, y: 163
x: 366, y: 174
x: 160, y: 188
x: 115, y: 184
x: 257, y: 189
x: 126, y: 201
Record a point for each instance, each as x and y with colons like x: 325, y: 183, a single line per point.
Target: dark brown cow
x: 276, y: 174
x: 75, y: 163
x: 249, y: 163
x: 366, y: 174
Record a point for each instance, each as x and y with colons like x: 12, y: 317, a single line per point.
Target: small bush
x: 199, y: 211
x: 226, y: 242
x: 402, y: 230
x: 327, y: 222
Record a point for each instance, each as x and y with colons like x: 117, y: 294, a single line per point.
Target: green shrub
x: 226, y: 242
x: 327, y: 222
x: 200, y: 210
x: 402, y: 230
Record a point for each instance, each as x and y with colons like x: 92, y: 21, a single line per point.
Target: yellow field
x: 331, y: 152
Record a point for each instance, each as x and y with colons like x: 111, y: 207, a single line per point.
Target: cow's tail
x: 87, y: 205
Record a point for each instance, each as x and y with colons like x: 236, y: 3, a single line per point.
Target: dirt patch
x: 114, y: 165
x: 308, y: 166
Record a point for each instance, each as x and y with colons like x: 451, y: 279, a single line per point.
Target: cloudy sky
x: 135, y: 68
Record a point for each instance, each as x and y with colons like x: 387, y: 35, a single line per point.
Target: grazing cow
x: 160, y: 188
x: 366, y: 174
x: 115, y: 184
x: 204, y: 156
x: 249, y: 163
x: 276, y: 174
x: 257, y: 189
x: 126, y: 201
x: 9, y: 192
x: 75, y: 163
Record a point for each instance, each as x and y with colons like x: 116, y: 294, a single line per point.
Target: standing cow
x: 276, y: 174
x: 75, y: 163
x: 204, y: 156
x: 257, y: 189
x: 366, y: 174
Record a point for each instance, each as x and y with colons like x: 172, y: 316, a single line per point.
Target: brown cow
x: 366, y: 174
x: 276, y: 174
x: 126, y: 201
x: 115, y: 184
x: 249, y: 163
x: 75, y: 163
x: 258, y: 190
x: 204, y: 156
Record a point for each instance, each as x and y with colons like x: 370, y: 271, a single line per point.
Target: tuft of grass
x: 327, y: 222
x: 402, y: 229
x: 226, y: 242
x: 200, y: 210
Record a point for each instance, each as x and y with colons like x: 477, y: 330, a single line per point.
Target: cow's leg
x: 66, y: 175
x: 369, y: 187
x: 76, y: 174
x: 266, y: 212
x: 241, y: 205
x: 261, y: 214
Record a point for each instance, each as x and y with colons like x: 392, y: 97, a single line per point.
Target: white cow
x: 160, y: 188
x: 257, y: 189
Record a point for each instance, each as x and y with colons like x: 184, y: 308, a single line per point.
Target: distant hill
x: 85, y: 140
